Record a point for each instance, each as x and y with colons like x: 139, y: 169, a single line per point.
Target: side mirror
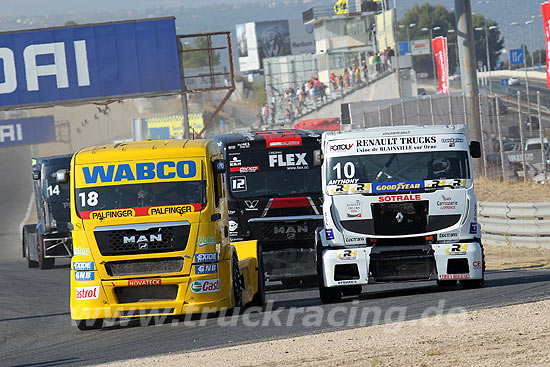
x: 317, y: 158
x: 219, y: 166
x: 475, y: 149
x: 36, y: 175
x: 62, y: 176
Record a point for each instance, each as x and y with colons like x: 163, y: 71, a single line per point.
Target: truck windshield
x: 54, y: 191
x: 275, y: 172
x: 398, y: 167
x: 141, y: 195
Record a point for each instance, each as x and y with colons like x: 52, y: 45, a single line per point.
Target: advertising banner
x: 420, y: 47
x: 439, y: 45
x: 27, y: 131
x: 86, y: 62
x: 171, y: 127
x: 384, y: 30
x: 545, y: 8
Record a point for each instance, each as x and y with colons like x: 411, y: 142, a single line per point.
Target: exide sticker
x: 83, y: 265
x: 205, y: 286
x: 86, y: 293
x: 473, y: 228
x: 84, y: 275
x: 206, y: 269
x: 329, y: 233
x: 399, y: 198
x: 206, y: 257
x: 247, y: 169
x: 142, y: 282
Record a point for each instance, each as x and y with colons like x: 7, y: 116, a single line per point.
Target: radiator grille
x: 145, y: 266
x: 146, y: 293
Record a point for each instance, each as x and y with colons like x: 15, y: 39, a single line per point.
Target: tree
x: 199, y: 58
x: 429, y: 16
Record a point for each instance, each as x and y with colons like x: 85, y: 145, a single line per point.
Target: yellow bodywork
x: 154, y: 283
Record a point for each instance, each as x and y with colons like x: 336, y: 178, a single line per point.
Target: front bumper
x: 363, y: 265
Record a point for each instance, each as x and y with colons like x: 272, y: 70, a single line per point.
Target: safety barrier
x: 515, y: 224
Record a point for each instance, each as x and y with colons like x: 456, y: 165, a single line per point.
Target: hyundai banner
x: 439, y: 45
x: 90, y: 61
x: 27, y: 131
x: 545, y: 8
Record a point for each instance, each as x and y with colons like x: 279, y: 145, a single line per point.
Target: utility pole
x: 466, y: 51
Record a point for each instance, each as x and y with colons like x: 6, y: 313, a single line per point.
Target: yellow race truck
x: 150, y: 234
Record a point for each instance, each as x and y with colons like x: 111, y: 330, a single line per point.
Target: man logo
x: 251, y: 204
x: 144, y: 246
x: 143, y: 240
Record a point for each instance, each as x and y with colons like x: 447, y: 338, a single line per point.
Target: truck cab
x: 399, y: 205
x: 50, y: 238
x: 274, y: 195
x: 151, y: 234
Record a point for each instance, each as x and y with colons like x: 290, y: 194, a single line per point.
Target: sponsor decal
x: 397, y: 186
x: 355, y: 240
x: 83, y: 265
x: 473, y: 228
x: 235, y: 162
x: 206, y: 269
x: 107, y: 214
x: 205, y: 286
x: 81, y: 251
x: 247, y: 169
x: 203, y: 241
x: 353, y: 209
x: 206, y: 257
x: 165, y: 170
x: 340, y: 147
x: 144, y: 282
x: 233, y: 226
x: 395, y: 143
x: 251, y: 204
x: 244, y: 145
x: 296, y: 160
x: 452, y: 141
x: 283, y: 138
x: 163, y: 210
x: 454, y: 276
x: 347, y: 255
x: 477, y: 264
x: 447, y: 235
x: 446, y: 203
x: 344, y: 282
x: 457, y: 249
x: 86, y: 293
x: 84, y: 275
x: 329, y: 234
x: 388, y: 198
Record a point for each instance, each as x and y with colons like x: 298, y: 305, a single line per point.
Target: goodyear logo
x: 164, y: 170
x: 397, y: 186
x: 108, y: 214
x: 181, y: 210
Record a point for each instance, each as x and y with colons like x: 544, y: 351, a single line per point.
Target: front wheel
x: 27, y: 232
x: 259, y: 297
x: 89, y: 324
x: 237, y: 282
x: 330, y: 295
x: 327, y: 294
x: 472, y: 283
x: 446, y: 283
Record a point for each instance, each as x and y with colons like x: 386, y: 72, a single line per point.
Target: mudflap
x: 248, y: 253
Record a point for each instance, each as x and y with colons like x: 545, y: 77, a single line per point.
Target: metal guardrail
x: 515, y: 224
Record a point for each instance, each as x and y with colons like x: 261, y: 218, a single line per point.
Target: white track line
x: 27, y: 213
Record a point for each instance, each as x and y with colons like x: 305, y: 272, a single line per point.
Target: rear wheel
x: 44, y: 263
x: 89, y: 324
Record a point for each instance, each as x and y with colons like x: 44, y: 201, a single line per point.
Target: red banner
x: 545, y: 8
x: 439, y: 46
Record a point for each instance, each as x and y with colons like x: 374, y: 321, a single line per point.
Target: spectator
x: 377, y: 62
x: 365, y: 70
x: 334, y: 81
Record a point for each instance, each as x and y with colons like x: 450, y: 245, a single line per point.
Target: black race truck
x: 274, y: 196
x: 50, y: 238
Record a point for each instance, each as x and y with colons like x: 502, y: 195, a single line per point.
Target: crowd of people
x: 295, y: 100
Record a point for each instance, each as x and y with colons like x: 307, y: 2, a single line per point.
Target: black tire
x: 259, y: 297
x: 27, y: 230
x: 43, y: 263
x: 291, y: 283
x: 446, y: 283
x: 23, y: 240
x: 352, y: 290
x: 237, y: 282
x: 476, y: 283
x: 89, y: 324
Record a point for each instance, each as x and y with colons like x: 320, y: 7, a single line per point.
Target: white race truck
x: 399, y: 204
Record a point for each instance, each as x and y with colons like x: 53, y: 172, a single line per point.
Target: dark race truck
x: 50, y: 238
x: 274, y: 196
